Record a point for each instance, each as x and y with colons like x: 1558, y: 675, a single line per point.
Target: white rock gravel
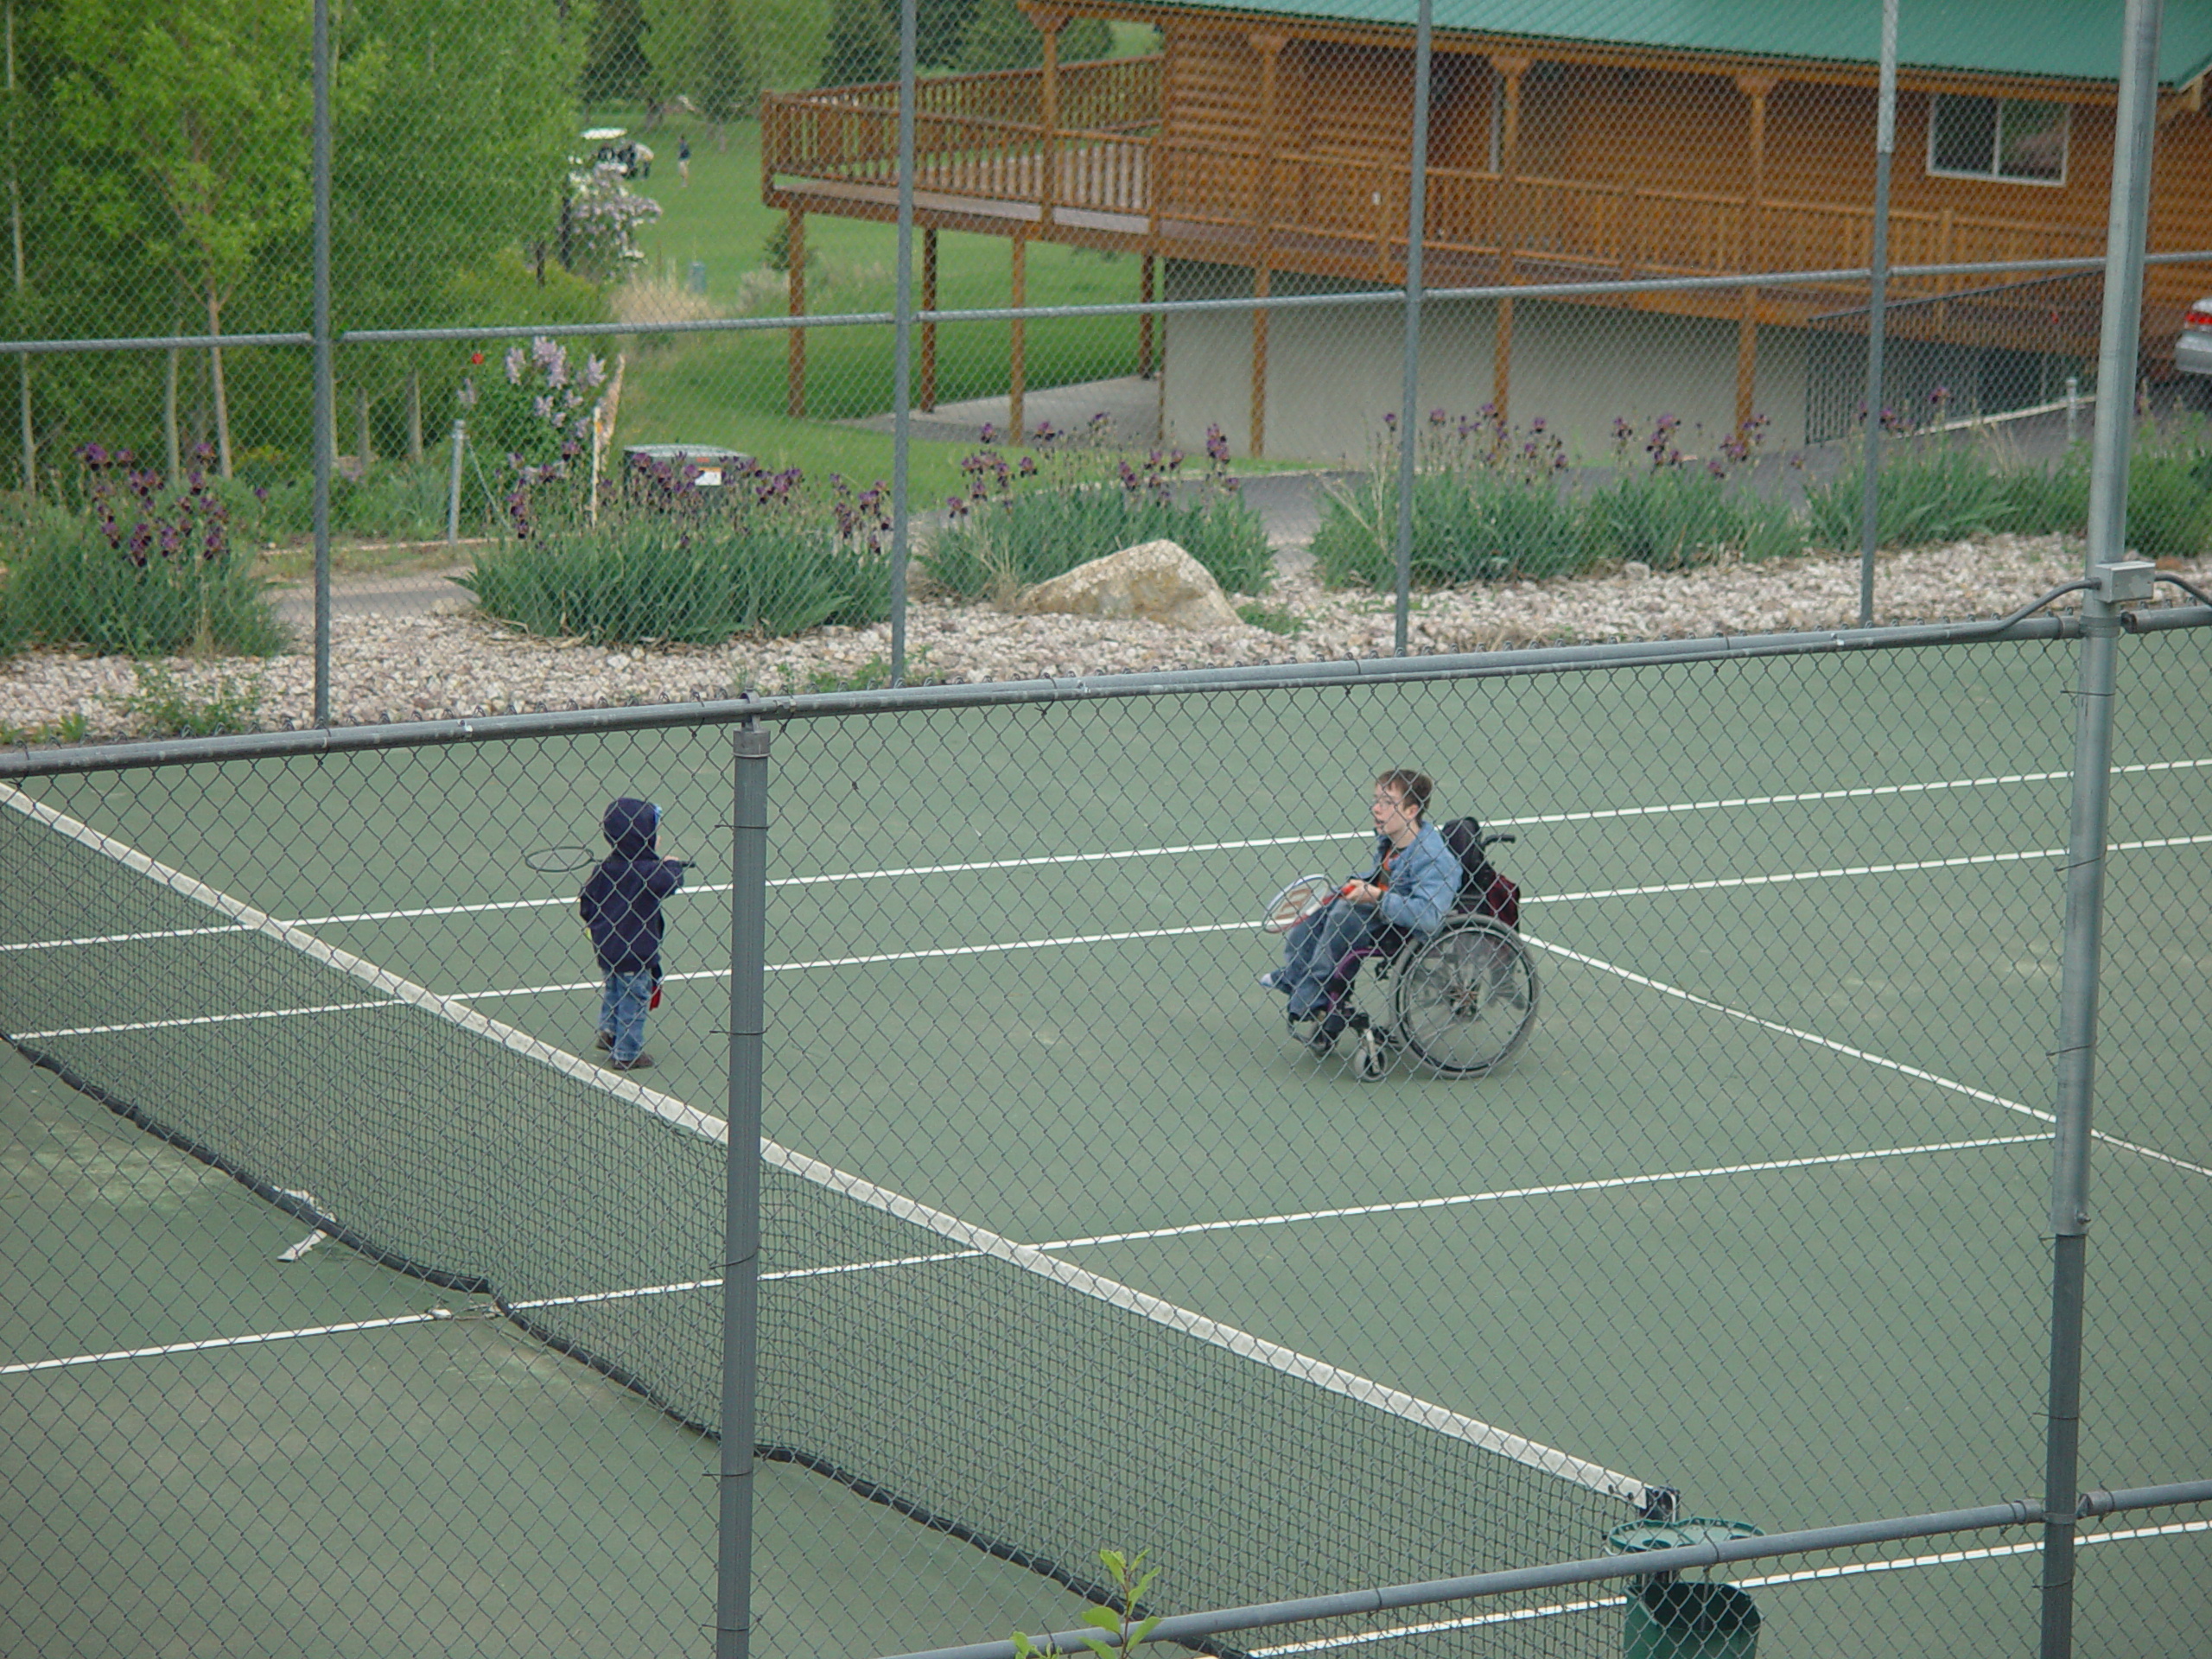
x: 452, y: 663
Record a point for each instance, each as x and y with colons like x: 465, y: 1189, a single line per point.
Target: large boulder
x: 1156, y: 580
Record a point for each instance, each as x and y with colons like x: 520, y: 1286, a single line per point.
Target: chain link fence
x: 352, y: 1289
x: 618, y: 408
x: 380, y: 1276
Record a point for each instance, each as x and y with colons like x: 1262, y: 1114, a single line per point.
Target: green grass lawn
x: 731, y: 389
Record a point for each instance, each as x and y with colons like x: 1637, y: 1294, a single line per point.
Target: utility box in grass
x: 656, y: 474
x: 1672, y: 1618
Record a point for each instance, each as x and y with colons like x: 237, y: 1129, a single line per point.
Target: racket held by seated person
x: 1296, y: 902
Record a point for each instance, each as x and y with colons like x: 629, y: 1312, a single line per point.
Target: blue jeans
x: 622, y: 1010
x: 1313, y: 950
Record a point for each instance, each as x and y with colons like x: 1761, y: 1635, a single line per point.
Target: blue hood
x: 631, y: 826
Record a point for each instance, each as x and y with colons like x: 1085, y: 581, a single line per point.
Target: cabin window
x: 2015, y: 139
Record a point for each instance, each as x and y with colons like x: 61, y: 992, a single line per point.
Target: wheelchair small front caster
x: 1373, y: 1059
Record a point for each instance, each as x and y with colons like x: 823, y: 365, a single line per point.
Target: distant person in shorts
x: 622, y: 905
x: 1406, y: 887
x: 683, y: 159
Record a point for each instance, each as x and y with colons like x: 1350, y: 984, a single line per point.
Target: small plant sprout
x: 1120, y: 1623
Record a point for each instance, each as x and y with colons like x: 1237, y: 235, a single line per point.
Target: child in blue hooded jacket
x: 622, y: 905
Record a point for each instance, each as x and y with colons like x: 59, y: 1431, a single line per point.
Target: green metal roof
x: 2074, y: 40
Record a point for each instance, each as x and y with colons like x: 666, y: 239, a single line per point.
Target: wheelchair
x: 1459, y: 1001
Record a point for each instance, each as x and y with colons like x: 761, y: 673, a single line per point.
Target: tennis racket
x: 559, y: 861
x: 1296, y: 902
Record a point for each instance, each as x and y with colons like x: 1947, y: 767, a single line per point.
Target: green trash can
x: 1690, y: 1619
x: 1670, y: 1618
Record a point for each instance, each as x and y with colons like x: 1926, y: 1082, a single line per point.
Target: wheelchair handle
x: 1491, y: 840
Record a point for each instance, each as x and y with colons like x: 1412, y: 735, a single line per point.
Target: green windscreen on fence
x: 984, y: 1388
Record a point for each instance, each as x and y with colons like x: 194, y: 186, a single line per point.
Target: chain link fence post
x: 741, y: 1222
x: 324, y: 444
x: 2085, y: 856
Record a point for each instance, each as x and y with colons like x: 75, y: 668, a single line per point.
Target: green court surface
x: 1760, y: 1213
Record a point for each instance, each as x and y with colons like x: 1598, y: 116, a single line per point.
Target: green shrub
x: 671, y: 564
x: 2168, y: 503
x: 1467, y: 527
x: 1025, y: 520
x: 1489, y: 506
x: 635, y: 583
x: 159, y: 707
x: 143, y: 571
x: 1946, y: 493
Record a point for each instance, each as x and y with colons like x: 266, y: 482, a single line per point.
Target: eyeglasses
x: 1393, y: 802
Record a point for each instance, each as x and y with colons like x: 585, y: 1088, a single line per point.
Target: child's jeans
x: 622, y: 1011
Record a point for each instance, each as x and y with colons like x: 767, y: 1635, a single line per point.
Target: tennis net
x: 983, y: 1387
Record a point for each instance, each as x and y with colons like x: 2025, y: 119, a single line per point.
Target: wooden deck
x: 988, y: 162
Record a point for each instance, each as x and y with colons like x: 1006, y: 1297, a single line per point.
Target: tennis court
x: 1757, y: 1214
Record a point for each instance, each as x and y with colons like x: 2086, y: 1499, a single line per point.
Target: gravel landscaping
x: 450, y: 662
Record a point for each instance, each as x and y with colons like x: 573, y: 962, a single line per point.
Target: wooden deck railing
x: 981, y: 137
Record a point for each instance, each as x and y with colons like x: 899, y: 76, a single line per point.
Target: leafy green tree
x: 863, y: 44
x: 615, y: 53
x: 210, y: 103
x: 453, y: 140
x: 1001, y: 37
x: 722, y: 53
x: 938, y: 25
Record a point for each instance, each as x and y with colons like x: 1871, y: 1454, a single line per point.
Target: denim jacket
x: 1424, y: 881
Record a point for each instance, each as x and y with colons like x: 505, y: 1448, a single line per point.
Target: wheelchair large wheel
x: 1466, y: 998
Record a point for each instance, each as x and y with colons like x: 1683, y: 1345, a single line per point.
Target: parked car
x: 2193, y: 351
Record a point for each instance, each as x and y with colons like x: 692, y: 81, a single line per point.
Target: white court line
x: 1602, y: 1184
x: 182, y: 1021
x: 1549, y: 1189
x: 422, y: 912
x: 207, y: 1343
x: 1806, y: 1575
x: 1243, y: 1344
x: 1845, y: 1049
x: 1902, y: 868
x: 1651, y: 890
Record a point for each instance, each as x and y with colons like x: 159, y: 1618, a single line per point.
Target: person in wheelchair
x: 1406, y: 889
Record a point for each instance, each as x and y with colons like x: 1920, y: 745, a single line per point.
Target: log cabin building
x: 1266, y: 149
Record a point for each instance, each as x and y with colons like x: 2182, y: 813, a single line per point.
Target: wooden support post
x: 363, y: 454
x: 795, y: 372
x: 414, y: 415
x: 1509, y: 167
x: 1756, y: 88
x: 1048, y: 185
x: 1269, y: 45
x: 929, y: 330
x: 1259, y: 428
x: 1017, y: 367
x: 1146, y: 291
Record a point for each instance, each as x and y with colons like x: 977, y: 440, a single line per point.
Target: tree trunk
x: 414, y: 415
x: 361, y: 430
x: 215, y: 373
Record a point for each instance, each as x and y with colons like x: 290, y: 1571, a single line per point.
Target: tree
x: 1001, y: 37
x: 213, y: 104
x: 615, y: 53
x: 722, y: 53
x: 863, y: 44
x: 454, y: 137
x: 938, y: 25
